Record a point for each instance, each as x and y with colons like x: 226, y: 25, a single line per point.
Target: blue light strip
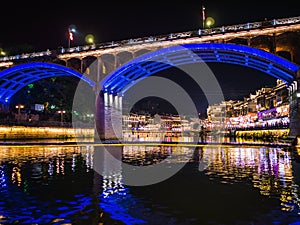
x: 266, y: 62
x: 25, y: 74
x: 264, y: 55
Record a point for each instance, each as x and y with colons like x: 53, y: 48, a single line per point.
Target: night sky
x: 43, y: 25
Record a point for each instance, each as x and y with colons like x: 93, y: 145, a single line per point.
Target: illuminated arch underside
x: 150, y: 63
x: 17, y: 77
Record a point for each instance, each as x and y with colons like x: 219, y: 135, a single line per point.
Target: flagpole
x: 203, y: 16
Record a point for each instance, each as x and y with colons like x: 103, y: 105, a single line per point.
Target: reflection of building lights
x: 2, y: 179
x: 16, y: 176
x: 92, y: 157
x: 73, y: 162
x: 50, y: 169
x: 57, y: 166
x: 89, y: 157
x: 259, y: 164
x: 87, y: 161
x: 62, y: 166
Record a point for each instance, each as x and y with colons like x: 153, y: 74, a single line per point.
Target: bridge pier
x: 108, y: 118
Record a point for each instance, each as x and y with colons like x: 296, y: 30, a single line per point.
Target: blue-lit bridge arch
x: 150, y: 63
x: 15, y: 78
x: 128, y: 74
x: 131, y: 72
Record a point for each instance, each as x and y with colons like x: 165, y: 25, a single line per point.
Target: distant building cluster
x: 159, y: 123
x: 267, y: 108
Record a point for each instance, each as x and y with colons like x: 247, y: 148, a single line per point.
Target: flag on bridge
x: 71, y: 37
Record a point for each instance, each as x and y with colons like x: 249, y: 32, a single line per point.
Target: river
x: 213, y: 184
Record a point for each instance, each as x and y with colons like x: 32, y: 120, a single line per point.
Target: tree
x: 57, y: 92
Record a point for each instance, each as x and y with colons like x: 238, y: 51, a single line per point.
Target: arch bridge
x: 112, y: 68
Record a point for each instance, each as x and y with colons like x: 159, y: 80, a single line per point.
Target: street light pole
x: 19, y: 107
x: 203, y: 17
x: 61, y: 116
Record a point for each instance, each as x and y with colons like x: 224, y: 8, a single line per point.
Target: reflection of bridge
x: 112, y: 68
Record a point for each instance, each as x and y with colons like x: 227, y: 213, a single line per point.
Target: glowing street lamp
x: 90, y: 39
x: 19, y: 107
x: 209, y: 22
x: 61, y: 112
x: 2, y: 53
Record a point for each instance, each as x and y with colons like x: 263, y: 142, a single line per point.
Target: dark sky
x: 43, y: 25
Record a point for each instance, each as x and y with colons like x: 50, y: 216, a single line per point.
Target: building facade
x: 267, y: 108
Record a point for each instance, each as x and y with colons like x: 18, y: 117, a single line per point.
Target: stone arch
x: 74, y: 63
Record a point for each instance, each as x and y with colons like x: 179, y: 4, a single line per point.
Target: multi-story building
x: 218, y: 114
x: 268, y: 107
x: 156, y: 122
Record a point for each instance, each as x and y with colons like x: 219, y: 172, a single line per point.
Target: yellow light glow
x: 210, y: 21
x: 2, y: 53
x: 19, y: 106
x: 6, y: 64
x: 90, y: 39
x: 17, y: 132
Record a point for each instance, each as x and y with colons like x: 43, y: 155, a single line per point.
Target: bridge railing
x: 159, y: 38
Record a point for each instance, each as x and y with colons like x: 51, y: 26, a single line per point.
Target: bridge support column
x: 294, y: 91
x: 108, y: 119
x: 273, y: 47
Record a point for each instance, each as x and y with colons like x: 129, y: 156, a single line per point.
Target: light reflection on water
x: 269, y: 169
x: 181, y: 137
x: 56, y: 184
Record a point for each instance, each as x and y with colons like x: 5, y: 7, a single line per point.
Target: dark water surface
x: 57, y: 184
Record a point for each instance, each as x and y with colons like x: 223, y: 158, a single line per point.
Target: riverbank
x: 23, y: 135
x: 27, y: 133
